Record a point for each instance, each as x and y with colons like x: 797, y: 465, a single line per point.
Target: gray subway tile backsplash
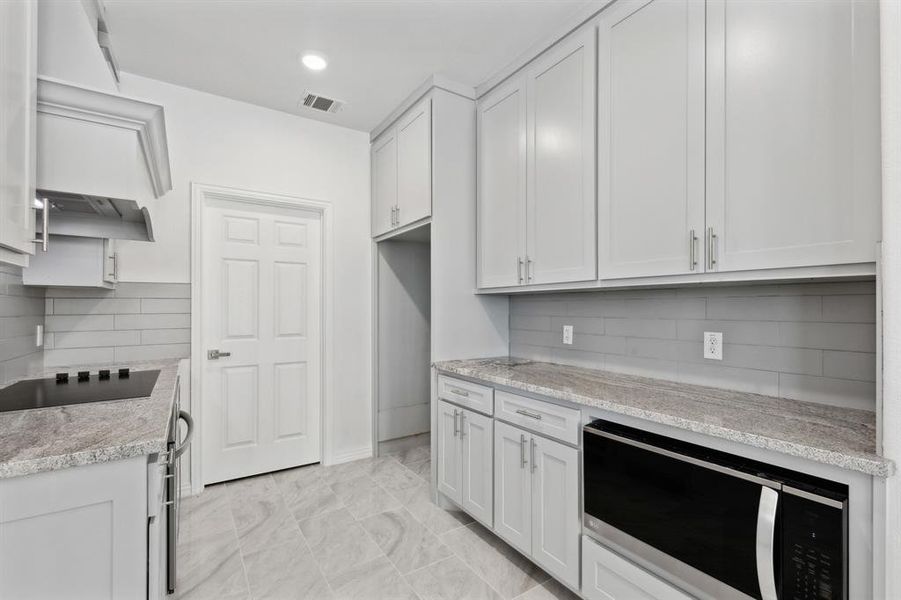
x: 807, y: 341
x: 133, y: 322
x: 21, y: 311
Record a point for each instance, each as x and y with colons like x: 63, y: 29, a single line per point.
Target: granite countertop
x: 842, y: 437
x: 48, y: 439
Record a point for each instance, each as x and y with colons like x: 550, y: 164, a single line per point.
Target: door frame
x: 200, y: 195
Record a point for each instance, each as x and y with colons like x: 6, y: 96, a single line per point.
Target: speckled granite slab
x: 835, y: 436
x: 47, y: 439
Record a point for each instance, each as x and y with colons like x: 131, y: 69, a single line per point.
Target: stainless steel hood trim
x: 147, y: 120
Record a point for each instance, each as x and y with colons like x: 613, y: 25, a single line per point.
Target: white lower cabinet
x: 465, y: 460
x: 608, y: 576
x: 536, y: 499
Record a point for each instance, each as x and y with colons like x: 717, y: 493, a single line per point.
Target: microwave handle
x: 766, y: 534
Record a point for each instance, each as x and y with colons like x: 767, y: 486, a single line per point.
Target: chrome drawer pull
x: 522, y: 451
x: 463, y: 393
x: 528, y: 413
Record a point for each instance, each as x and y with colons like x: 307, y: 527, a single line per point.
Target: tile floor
x: 364, y: 529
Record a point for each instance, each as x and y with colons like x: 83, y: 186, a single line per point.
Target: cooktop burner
x: 83, y: 387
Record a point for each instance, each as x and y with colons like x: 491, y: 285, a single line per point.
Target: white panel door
x: 651, y: 138
x: 556, y: 523
x: 502, y: 185
x: 18, y: 97
x: 383, y: 157
x: 450, y: 453
x: 477, y: 432
x: 512, y: 486
x: 261, y: 289
x: 414, y: 164
x: 793, y: 171
x: 561, y: 203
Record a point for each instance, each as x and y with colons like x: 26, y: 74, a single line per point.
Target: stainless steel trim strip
x: 813, y: 497
x: 691, y: 460
x: 766, y: 534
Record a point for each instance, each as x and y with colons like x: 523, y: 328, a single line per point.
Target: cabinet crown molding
x: 145, y: 119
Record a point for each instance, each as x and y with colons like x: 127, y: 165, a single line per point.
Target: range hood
x: 100, y: 157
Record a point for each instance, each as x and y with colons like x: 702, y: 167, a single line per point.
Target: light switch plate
x: 567, y: 334
x: 713, y: 345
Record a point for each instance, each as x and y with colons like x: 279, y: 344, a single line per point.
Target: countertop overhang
x: 48, y: 439
x: 842, y: 437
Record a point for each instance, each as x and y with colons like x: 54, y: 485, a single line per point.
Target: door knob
x: 215, y: 354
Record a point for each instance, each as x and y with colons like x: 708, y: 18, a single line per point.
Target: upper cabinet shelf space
x: 735, y: 141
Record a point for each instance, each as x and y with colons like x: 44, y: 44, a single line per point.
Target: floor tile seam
x: 238, y: 543
x: 309, y: 548
x: 470, y: 567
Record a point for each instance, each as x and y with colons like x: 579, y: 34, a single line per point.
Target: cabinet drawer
x: 549, y: 419
x: 471, y: 395
x: 608, y: 576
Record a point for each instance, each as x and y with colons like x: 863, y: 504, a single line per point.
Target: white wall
x: 223, y: 142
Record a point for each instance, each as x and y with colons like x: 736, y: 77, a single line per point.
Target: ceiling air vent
x: 321, y: 103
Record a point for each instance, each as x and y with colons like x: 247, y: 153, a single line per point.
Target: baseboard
x: 350, y: 455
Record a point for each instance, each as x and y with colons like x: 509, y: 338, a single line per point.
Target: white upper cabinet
x: 537, y: 218
x: 401, y: 163
x: 414, y: 164
x: 502, y: 185
x: 651, y: 138
x: 560, y: 213
x: 18, y: 97
x: 384, y: 182
x: 793, y: 157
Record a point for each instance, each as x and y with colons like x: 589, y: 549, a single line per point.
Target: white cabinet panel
x: 793, y: 173
x: 73, y: 261
x: 502, y: 185
x: 651, y: 138
x: 471, y: 395
x: 18, y: 114
x: 547, y: 418
x: 608, y: 576
x: 561, y: 221
x: 477, y: 435
x: 555, y: 508
x: 414, y: 164
x: 384, y: 182
x: 450, y: 460
x: 512, y: 486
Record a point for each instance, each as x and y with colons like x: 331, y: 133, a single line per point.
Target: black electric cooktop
x: 77, y: 388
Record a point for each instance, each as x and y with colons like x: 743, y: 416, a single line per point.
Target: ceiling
x: 378, y: 51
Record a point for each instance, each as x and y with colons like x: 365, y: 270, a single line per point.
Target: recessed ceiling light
x: 314, y: 62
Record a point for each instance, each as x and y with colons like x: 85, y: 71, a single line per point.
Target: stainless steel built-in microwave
x: 717, y: 525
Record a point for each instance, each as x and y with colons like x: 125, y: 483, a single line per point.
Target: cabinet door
x: 414, y: 164
x: 651, y: 138
x: 512, y: 486
x: 450, y: 455
x: 502, y: 185
x: 384, y: 182
x: 18, y: 97
x: 793, y: 167
x: 561, y: 217
x: 478, y: 465
x: 556, y: 524
x: 608, y: 576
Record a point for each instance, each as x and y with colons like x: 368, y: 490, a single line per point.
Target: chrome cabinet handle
x: 692, y: 253
x: 522, y: 451
x: 766, y: 533
x: 463, y: 393
x: 528, y: 413
x: 456, y: 430
x: 44, y: 240
x: 519, y: 268
x: 529, y: 269
x: 462, y: 424
x: 532, y: 453
x: 711, y: 248
x: 396, y: 215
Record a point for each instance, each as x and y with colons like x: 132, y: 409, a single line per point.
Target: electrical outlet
x: 713, y: 345
x: 567, y: 334
x: 38, y: 336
